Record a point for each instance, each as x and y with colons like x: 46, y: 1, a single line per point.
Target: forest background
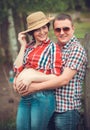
x: 13, y: 15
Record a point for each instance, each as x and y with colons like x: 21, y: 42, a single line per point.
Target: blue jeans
x: 35, y: 111
x: 65, y: 121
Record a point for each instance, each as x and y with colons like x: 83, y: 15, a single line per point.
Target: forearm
x: 37, y: 76
x: 19, y: 59
x: 35, y: 87
x: 27, y: 76
x: 42, y: 78
x: 55, y: 82
x: 23, y: 43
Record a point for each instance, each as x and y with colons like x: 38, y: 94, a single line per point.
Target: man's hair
x: 63, y: 17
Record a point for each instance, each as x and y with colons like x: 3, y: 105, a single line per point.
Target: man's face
x: 63, y: 30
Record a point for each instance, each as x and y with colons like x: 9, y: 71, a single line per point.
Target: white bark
x: 13, y: 48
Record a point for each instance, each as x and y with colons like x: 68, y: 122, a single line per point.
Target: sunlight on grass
x: 81, y: 29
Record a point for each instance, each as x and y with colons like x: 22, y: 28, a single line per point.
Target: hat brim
x: 39, y: 24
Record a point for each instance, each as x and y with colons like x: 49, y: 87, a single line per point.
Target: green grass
x: 81, y: 28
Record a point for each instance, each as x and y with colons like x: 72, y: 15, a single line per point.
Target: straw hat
x: 37, y: 20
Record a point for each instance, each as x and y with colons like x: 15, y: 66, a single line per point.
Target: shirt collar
x: 32, y: 43
x: 46, y: 41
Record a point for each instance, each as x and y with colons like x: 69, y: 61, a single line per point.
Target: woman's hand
x: 22, y: 39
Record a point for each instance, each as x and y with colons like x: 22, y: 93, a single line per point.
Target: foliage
x: 87, y: 3
x: 21, y: 8
x: 35, y: 5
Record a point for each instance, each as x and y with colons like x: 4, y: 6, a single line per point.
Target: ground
x: 8, y: 98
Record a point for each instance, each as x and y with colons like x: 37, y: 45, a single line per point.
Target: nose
x: 62, y: 32
x: 41, y: 30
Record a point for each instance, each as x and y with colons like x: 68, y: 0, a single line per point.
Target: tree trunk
x: 87, y: 84
x: 13, y: 48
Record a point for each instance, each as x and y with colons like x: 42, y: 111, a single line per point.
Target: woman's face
x: 41, y: 34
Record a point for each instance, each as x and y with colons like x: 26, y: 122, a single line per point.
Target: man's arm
x: 29, y: 75
x: 53, y: 83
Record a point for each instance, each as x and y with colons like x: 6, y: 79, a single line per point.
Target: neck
x: 37, y: 43
x: 61, y: 44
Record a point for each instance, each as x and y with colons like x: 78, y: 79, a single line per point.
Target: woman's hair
x: 31, y: 33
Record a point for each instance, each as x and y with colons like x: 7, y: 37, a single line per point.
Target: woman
x: 39, y: 57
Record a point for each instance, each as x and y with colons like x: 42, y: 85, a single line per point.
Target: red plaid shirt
x: 46, y: 58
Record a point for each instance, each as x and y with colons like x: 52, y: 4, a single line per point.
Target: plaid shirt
x: 68, y: 97
x: 46, y: 58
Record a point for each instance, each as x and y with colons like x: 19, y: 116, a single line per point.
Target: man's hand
x: 31, y: 89
x: 23, y: 80
x: 14, y: 83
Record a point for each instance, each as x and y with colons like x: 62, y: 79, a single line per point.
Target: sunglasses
x: 65, y: 29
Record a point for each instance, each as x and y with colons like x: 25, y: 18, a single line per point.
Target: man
x: 69, y: 84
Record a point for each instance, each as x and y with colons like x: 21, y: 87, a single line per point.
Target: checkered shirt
x: 68, y: 97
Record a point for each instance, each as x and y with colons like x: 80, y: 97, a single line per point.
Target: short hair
x: 63, y: 17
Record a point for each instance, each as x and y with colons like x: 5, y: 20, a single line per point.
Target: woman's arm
x: 22, y: 40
